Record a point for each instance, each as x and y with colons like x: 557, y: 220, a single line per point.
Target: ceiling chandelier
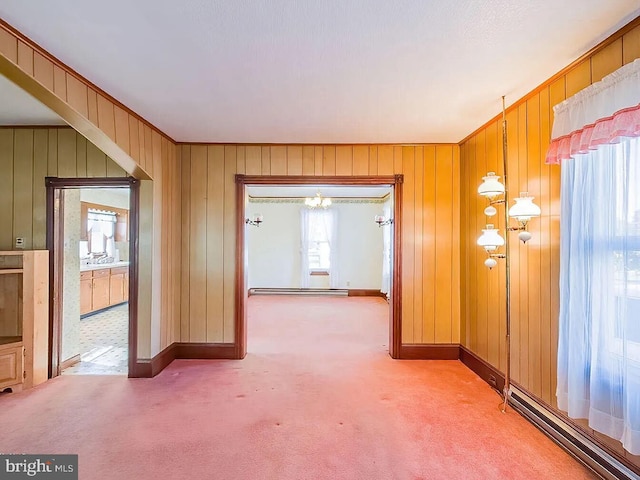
x: 317, y: 201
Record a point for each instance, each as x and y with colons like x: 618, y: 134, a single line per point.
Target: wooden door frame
x: 55, y: 233
x: 395, y: 303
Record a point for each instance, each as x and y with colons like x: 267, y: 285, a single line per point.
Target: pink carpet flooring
x: 317, y: 397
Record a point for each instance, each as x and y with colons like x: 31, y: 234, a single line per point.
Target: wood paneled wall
x: 28, y: 155
x: 534, y: 266
x: 430, y: 303
x: 138, y: 148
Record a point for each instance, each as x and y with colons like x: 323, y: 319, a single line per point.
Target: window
x: 319, y: 226
x: 599, y: 338
x: 101, y: 226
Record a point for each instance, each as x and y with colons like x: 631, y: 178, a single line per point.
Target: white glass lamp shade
x: 490, y: 239
x: 524, y: 208
x: 491, y: 186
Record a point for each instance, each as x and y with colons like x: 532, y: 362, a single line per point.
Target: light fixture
x: 491, y: 240
x: 491, y: 186
x: 317, y: 201
x: 381, y: 220
x: 257, y: 220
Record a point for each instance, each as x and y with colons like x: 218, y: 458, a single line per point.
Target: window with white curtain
x: 320, y: 226
x: 596, y: 140
x: 599, y: 346
x: 101, y: 227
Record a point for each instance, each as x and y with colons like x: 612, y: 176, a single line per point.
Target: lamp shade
x: 524, y: 208
x: 491, y: 186
x: 490, y: 239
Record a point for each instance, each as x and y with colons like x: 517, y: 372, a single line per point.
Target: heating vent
x: 572, y: 440
x: 299, y: 291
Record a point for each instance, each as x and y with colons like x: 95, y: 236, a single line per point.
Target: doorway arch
x: 395, y: 304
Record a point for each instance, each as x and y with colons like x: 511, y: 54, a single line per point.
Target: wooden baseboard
x: 70, y: 362
x: 364, y: 292
x: 177, y: 350
x: 432, y: 351
x: 205, y: 350
x: 483, y: 369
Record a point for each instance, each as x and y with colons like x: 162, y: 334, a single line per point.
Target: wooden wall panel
x: 25, y: 160
x: 534, y: 266
x: 208, y: 262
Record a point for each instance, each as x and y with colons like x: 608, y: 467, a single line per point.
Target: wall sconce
x: 381, y: 220
x: 257, y: 220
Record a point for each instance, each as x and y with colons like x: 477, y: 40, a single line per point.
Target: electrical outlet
x: 19, y: 242
x: 492, y: 381
x: 348, y: 284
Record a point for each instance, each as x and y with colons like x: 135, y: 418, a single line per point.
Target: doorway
x: 92, y: 227
x: 394, y: 291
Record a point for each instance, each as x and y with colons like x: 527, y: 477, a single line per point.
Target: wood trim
x: 79, y: 122
x: 602, y: 45
x: 241, y: 295
x: 433, y: 351
x: 54, y: 185
x: 141, y: 369
x: 315, y: 180
x: 70, y: 362
x: 208, y: 351
x: 483, y: 369
x: 57, y: 62
x: 365, y: 292
x: 317, y: 144
x: 395, y: 303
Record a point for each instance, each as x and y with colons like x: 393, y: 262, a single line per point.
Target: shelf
x: 7, y: 271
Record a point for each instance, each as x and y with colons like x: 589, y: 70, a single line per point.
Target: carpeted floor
x: 316, y: 398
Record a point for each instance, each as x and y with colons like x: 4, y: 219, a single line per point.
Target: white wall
x: 274, y: 247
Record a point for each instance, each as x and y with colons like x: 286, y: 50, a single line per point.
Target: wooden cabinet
x: 103, y: 288
x: 116, y: 285
x: 86, y: 290
x: 11, y: 362
x: 24, y: 318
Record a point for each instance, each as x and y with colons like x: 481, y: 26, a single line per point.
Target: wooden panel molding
x: 429, y: 352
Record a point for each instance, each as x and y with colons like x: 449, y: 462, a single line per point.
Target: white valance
x: 601, y: 113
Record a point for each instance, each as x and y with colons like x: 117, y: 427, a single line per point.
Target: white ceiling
x: 332, y: 71
x: 20, y: 108
x: 299, y: 191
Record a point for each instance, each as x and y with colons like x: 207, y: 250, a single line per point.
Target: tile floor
x: 103, y: 343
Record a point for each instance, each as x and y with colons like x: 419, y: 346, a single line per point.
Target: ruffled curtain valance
x: 600, y: 114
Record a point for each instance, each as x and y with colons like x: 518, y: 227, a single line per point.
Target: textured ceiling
x: 332, y: 71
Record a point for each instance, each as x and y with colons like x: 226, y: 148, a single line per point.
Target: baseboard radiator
x: 299, y: 291
x: 568, y: 437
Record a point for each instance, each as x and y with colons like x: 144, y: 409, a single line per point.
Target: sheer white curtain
x: 599, y: 341
x: 304, y: 248
x: 386, y: 251
x: 330, y: 222
x: 599, y: 323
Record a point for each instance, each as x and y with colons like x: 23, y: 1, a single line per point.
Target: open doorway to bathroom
x: 91, y: 234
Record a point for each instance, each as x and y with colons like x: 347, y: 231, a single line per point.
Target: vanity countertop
x: 99, y: 266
